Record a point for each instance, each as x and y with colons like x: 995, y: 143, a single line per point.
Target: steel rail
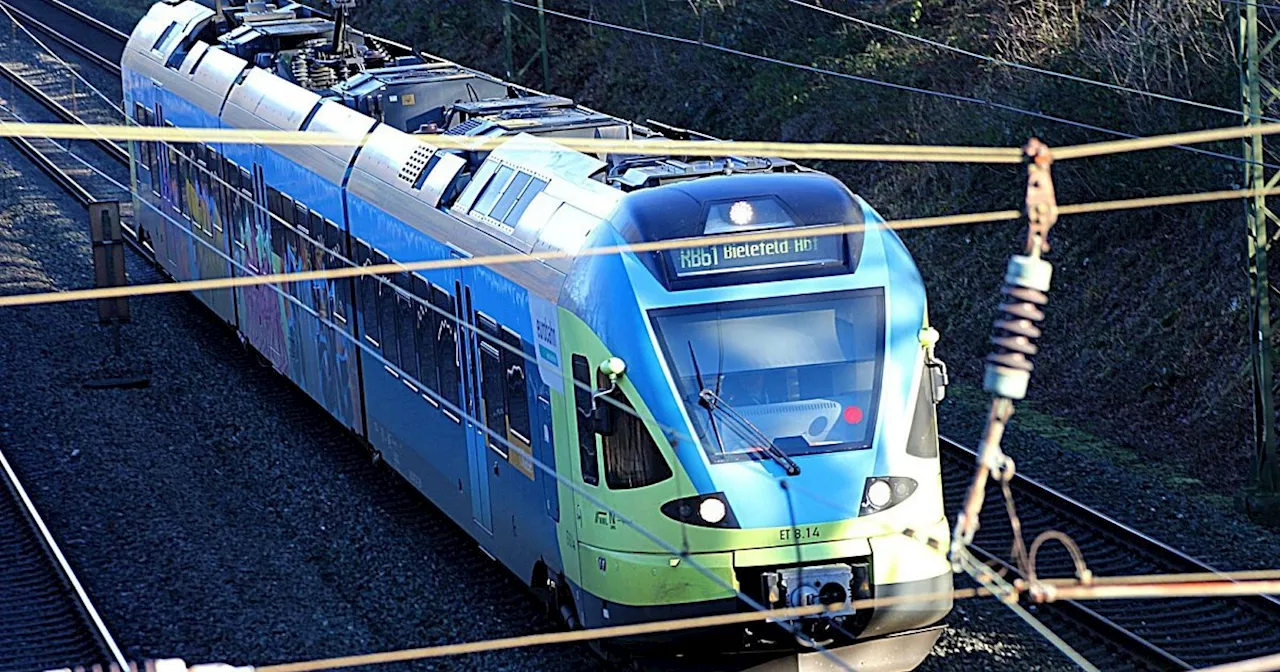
x: 1111, y: 542
x: 51, y: 169
x: 80, y: 49
x: 79, y: 629
x: 41, y: 158
x: 114, y: 150
x: 106, y: 41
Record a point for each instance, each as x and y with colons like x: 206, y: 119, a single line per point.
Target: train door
x: 478, y: 456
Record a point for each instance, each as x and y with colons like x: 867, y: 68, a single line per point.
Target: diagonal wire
x: 633, y: 248
x: 866, y: 80
x: 1018, y: 66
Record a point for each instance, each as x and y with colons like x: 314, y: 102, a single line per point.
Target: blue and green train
x: 680, y: 429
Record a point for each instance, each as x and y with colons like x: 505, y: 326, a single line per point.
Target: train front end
x: 783, y: 448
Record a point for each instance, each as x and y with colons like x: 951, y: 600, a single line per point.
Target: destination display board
x: 757, y: 255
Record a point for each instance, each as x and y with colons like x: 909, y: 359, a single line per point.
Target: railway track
x: 43, y: 89
x: 74, y: 30
x: 46, y: 619
x: 1173, y: 634
x: 1163, y: 634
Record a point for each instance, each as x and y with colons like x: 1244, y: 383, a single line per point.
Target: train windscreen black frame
x: 806, y: 370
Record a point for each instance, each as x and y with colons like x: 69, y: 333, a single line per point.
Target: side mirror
x: 604, y: 415
x: 936, y: 368
x: 604, y: 418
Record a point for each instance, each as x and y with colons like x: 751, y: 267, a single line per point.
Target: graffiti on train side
x: 298, y: 343
x: 261, y: 304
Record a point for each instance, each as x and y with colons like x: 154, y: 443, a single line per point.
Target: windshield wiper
x: 711, y: 416
x: 712, y: 400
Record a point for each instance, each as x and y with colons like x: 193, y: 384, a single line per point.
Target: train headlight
x: 879, y: 493
x: 712, y: 510
x: 741, y: 213
x: 884, y: 492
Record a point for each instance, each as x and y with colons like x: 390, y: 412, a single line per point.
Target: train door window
x: 582, y: 409
x: 184, y: 178
x: 171, y: 153
x: 288, y: 239
x: 425, y: 333
x: 305, y: 289
x: 386, y: 311
x: 219, y: 189
x: 493, y: 387
x: 153, y: 156
x: 493, y: 190
x: 206, y: 188
x: 249, y: 206
x: 535, y: 187
x: 367, y: 300
x: 447, y: 347
x: 514, y: 366
x: 407, y: 321
x: 140, y: 116
x: 631, y: 457
x: 339, y: 287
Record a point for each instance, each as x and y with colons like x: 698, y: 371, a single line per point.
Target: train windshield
x: 801, y: 371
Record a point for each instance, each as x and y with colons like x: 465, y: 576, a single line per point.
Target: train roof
x: 265, y: 66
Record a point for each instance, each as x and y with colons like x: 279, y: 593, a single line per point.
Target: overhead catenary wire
x: 661, y: 147
x: 493, y: 260
x: 650, y: 246
x: 866, y: 80
x: 1069, y: 152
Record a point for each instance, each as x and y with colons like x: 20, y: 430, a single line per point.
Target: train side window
x: 493, y: 387
x: 407, y: 319
x: 367, y: 301
x: 447, y: 347
x: 315, y: 225
x: 425, y: 333
x: 582, y: 409
x: 301, y: 219
x: 631, y: 457
x: 514, y: 366
x: 273, y: 211
x: 386, y: 312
